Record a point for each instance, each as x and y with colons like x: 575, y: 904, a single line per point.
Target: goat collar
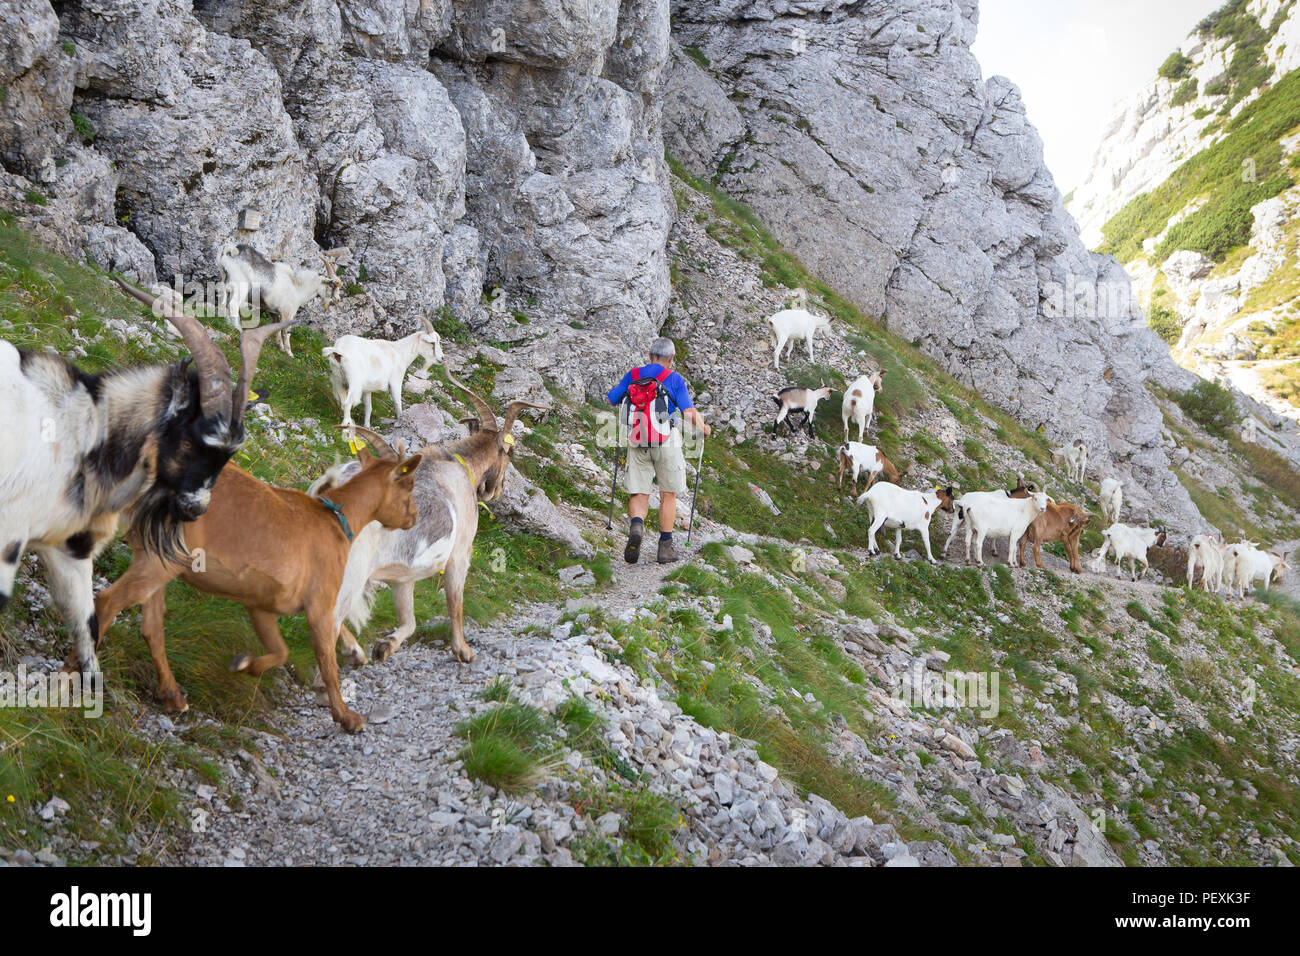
x: 468, y: 470
x: 338, y: 513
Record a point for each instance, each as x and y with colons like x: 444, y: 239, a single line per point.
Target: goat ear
x: 473, y: 424
x: 407, y: 467
x: 364, y: 456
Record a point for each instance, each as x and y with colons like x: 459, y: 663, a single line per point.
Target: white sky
x: 1074, y: 59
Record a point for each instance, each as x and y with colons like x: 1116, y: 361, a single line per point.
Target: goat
x: 1128, y: 542
x: 360, y: 366
x: 1075, y: 456
x: 84, y: 450
x: 1207, y: 552
x: 250, y: 278
x: 1059, y: 522
x: 276, y: 552
x: 793, y: 399
x: 448, y: 487
x: 866, y: 458
x: 790, y: 324
x: 893, y: 507
x: 1245, y: 563
x: 1022, y: 489
x: 1111, y: 500
x: 997, y: 513
x: 860, y: 402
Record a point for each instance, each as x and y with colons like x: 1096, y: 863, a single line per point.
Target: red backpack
x: 648, y: 418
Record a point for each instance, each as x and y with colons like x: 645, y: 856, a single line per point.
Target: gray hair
x: 662, y: 348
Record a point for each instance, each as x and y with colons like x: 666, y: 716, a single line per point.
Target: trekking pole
x: 695, y: 496
x: 613, y: 484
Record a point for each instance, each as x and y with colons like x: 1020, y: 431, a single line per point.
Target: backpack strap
x: 663, y: 375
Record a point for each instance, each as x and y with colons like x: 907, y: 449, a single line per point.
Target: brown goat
x: 1060, y: 522
x: 856, y: 457
x: 276, y: 552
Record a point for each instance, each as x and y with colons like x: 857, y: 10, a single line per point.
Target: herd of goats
x: 150, y: 448
x: 1022, y: 515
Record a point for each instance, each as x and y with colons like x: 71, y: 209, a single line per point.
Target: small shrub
x: 1176, y: 66
x: 1164, y: 322
x: 1185, y: 93
x: 1211, y: 406
x: 85, y: 131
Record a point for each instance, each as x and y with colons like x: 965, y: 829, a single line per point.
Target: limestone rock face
x: 865, y: 136
x: 344, y: 123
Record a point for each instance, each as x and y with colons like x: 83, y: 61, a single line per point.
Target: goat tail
x: 363, y: 602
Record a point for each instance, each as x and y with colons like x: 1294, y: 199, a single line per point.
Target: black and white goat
x: 793, y: 399
x: 83, y: 450
x: 250, y: 278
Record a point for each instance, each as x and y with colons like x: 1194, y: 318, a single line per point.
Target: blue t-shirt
x: 674, y: 386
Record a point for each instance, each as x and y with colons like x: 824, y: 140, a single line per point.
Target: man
x: 659, y: 401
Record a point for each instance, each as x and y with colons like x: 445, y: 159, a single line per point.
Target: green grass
x: 510, y: 747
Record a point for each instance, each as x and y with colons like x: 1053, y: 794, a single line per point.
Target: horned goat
x: 448, y: 487
x: 1075, y: 456
x: 792, y: 399
x: 359, y: 367
x: 84, y: 450
x: 276, y: 552
x: 250, y: 278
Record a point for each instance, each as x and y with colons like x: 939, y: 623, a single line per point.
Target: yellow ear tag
x: 354, y: 446
x: 508, y: 440
x: 252, y: 395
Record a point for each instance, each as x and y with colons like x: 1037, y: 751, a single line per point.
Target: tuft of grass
x: 509, y: 747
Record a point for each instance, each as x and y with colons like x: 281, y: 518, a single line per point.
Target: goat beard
x: 155, y: 525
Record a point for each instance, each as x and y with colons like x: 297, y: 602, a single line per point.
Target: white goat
x: 858, y: 458
x: 893, y: 507
x: 1075, y: 456
x: 1128, y: 542
x: 860, y: 402
x: 1244, y: 564
x: 1207, y: 553
x: 996, y: 513
x: 359, y: 367
x: 250, y: 278
x: 791, y: 324
x: 1111, y: 500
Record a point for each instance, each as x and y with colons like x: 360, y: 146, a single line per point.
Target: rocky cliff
x: 865, y: 135
x: 1192, y: 186
x: 505, y: 160
x: 455, y: 148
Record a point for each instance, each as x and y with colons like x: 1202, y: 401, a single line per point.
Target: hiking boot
x: 633, y: 550
x: 667, y: 553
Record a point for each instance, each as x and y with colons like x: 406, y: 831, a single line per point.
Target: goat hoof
x: 382, y: 650
x: 241, y: 662
x: 174, y: 702
x: 464, y: 653
x: 357, y: 656
x: 351, y: 721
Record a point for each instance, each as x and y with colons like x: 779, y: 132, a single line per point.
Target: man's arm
x: 697, y: 421
x: 617, y: 393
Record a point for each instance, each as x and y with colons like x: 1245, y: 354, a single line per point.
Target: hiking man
x: 658, y: 401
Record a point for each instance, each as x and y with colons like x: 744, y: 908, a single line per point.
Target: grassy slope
x: 117, y: 776
x: 106, y: 769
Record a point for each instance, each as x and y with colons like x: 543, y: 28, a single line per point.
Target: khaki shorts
x: 662, y: 462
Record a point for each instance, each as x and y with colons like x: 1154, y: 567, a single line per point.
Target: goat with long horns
x: 84, y: 450
x: 448, y: 487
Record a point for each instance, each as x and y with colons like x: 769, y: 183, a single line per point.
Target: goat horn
x: 250, y: 346
x: 486, y: 417
x: 428, y: 326
x: 514, y: 409
x: 211, y: 364
x: 373, y: 439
